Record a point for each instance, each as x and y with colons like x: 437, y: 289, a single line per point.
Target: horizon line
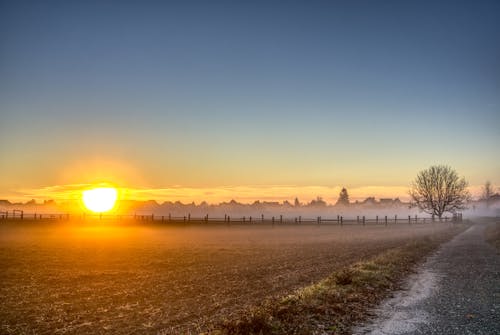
x: 219, y: 194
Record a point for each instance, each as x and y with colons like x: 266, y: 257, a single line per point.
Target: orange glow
x: 69, y: 194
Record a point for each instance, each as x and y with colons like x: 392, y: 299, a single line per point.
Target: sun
x: 101, y: 199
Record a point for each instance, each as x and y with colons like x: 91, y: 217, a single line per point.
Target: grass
x: 334, y: 304
x: 492, y: 234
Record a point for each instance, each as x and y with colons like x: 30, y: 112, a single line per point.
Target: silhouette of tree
x: 438, y: 190
x: 343, y: 198
x: 319, y: 202
x: 296, y: 202
x: 487, y: 193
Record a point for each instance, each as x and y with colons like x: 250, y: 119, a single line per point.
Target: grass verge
x: 492, y: 234
x: 334, y: 304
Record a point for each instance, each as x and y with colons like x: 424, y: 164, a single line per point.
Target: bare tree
x: 487, y: 193
x: 438, y: 190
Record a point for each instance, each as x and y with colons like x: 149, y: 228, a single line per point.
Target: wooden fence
x: 227, y: 219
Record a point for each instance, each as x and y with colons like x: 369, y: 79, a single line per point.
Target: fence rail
x: 338, y: 220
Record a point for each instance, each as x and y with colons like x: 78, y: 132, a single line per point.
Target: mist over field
x: 370, y: 208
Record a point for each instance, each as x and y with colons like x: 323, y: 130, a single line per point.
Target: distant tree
x: 296, y: 202
x: 31, y: 202
x: 438, y: 190
x: 487, y: 192
x: 343, y: 198
x: 319, y: 202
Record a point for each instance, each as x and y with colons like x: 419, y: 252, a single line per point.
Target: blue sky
x: 209, y: 94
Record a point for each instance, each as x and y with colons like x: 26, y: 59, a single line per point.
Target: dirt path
x: 457, y: 291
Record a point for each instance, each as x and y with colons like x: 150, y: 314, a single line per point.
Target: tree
x: 487, y: 193
x: 296, y: 202
x: 343, y: 198
x: 438, y: 190
x: 319, y: 202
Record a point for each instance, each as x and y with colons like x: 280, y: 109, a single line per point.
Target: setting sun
x: 100, y: 199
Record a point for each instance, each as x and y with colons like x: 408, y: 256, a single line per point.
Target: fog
x: 369, y: 208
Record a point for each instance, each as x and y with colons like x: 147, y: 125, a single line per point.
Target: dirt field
x: 87, y: 278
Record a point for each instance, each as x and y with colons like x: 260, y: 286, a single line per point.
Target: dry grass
x: 492, y: 234
x: 81, y: 279
x: 334, y: 304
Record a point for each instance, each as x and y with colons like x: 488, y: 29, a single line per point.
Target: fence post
x: 376, y: 218
x: 262, y: 217
x: 250, y: 219
x: 152, y: 217
x: 244, y: 219
x: 395, y: 219
x: 357, y: 219
x: 273, y: 220
x: 341, y: 220
x: 300, y: 219
x: 416, y: 218
x: 409, y: 219
x: 281, y: 218
x: 363, y: 220
x: 319, y: 219
x: 386, y: 220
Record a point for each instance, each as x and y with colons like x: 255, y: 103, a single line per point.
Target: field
x: 106, y: 277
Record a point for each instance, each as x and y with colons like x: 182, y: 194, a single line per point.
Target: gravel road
x: 457, y: 291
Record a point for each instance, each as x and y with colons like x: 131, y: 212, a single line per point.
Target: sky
x: 247, y: 100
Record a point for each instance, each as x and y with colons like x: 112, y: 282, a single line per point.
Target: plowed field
x: 123, y: 278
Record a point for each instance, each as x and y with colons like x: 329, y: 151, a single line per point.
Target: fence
x: 339, y: 220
